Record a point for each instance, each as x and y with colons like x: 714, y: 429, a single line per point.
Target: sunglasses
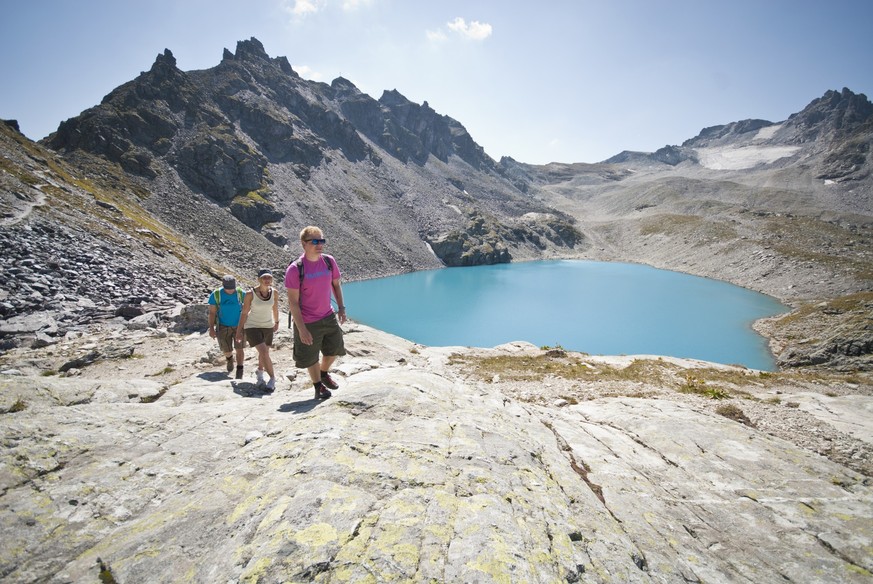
x: 316, y: 241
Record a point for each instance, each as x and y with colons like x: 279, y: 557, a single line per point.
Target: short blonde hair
x: 309, y: 232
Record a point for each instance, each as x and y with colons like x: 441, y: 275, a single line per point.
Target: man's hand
x: 212, y: 332
x: 305, y: 335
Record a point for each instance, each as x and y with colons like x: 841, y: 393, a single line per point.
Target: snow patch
x: 733, y: 158
x: 768, y: 132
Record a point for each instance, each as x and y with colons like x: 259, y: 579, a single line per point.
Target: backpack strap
x: 299, y: 263
x: 240, y: 294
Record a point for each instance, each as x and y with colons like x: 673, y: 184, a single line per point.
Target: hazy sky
x: 541, y: 81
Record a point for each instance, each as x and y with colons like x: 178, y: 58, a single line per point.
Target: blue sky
x: 541, y: 81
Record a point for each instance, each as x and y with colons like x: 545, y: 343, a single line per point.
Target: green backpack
x: 240, y: 293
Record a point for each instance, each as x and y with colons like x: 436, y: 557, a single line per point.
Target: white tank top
x: 261, y: 313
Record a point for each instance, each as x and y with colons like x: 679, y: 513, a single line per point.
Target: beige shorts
x: 227, y: 342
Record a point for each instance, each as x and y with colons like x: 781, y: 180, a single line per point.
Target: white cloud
x: 475, y: 30
x: 349, y: 5
x: 436, y: 36
x: 304, y: 8
x: 307, y: 72
x: 301, y: 8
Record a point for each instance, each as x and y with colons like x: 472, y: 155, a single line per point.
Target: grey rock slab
x: 718, y: 500
x: 848, y: 413
x: 403, y: 474
x: 407, y: 474
x: 37, y: 392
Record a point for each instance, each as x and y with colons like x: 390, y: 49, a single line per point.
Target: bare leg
x: 264, y: 361
x: 268, y: 363
x: 326, y: 362
x: 314, y: 372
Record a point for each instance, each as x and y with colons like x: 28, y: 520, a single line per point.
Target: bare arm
x: 297, y: 316
x: 338, y: 294
x: 213, y: 310
x: 275, y: 311
x: 247, y: 306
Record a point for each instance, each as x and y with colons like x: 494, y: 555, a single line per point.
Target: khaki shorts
x: 227, y: 342
x: 327, y: 338
x: 256, y: 336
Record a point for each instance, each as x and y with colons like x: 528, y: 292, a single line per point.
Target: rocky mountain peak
x: 165, y: 59
x: 252, y: 50
x: 836, y: 111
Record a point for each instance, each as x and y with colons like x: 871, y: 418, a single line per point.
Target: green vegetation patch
x: 253, y: 199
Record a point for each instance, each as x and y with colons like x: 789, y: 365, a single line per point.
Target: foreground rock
x: 416, y: 470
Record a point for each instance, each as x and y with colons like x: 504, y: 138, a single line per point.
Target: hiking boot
x: 239, y: 371
x: 328, y: 381
x: 321, y: 392
x: 271, y: 385
x: 259, y: 375
x: 229, y: 363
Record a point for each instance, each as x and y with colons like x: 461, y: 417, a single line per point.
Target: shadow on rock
x: 300, y: 407
x: 213, y: 376
x: 247, y: 389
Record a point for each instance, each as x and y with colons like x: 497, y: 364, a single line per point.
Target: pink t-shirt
x: 317, y: 286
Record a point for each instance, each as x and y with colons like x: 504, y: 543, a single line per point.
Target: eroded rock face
x: 485, y: 240
x: 413, y: 471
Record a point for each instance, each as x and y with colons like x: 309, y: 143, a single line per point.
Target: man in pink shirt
x: 309, y: 281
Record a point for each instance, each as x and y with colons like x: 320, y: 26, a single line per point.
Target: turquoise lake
x: 600, y: 308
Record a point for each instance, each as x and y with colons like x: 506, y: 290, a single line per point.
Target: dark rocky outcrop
x: 218, y: 163
x: 486, y: 240
x: 726, y: 131
x: 254, y: 210
x: 253, y: 125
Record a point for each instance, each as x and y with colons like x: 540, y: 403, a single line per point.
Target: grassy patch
x: 557, y: 363
x: 686, y: 226
x: 253, y: 199
x: 734, y: 413
x: 822, y: 242
x: 712, y: 382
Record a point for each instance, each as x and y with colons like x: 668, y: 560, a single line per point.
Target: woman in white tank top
x: 259, y: 320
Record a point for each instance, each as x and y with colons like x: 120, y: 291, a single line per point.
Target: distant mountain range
x: 192, y: 174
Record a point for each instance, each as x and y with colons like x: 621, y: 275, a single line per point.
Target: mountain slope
x: 233, y: 160
x: 251, y: 137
